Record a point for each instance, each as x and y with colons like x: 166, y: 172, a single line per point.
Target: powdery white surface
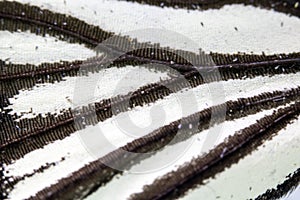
x: 169, y: 109
x: 25, y: 47
x: 166, y: 110
x: 263, y: 169
x: 76, y: 156
x: 191, y: 148
x: 101, y: 85
x: 110, y: 83
x: 258, y: 30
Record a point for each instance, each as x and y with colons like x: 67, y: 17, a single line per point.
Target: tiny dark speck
x: 235, y: 28
x: 202, y: 24
x: 281, y: 24
x: 36, y: 47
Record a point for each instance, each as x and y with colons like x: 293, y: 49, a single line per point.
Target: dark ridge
x: 39, y: 21
x: 10, y: 181
x: 86, y: 180
x: 17, y: 71
x: 144, y: 95
x: 171, y: 181
x: 46, y: 21
x: 12, y: 24
x: 200, y: 179
x: 74, y: 30
x: 20, y: 17
x: 124, y: 47
x: 92, y: 35
x: 16, y: 77
x: 291, y: 183
x: 280, y: 64
x: 46, y: 74
x: 17, y: 132
x: 285, y: 6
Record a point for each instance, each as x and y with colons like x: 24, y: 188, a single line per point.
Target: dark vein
x: 16, y: 132
x: 96, y: 173
x: 290, y: 184
x: 126, y: 48
x: 161, y: 187
x: 285, y: 6
x: 15, y: 144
